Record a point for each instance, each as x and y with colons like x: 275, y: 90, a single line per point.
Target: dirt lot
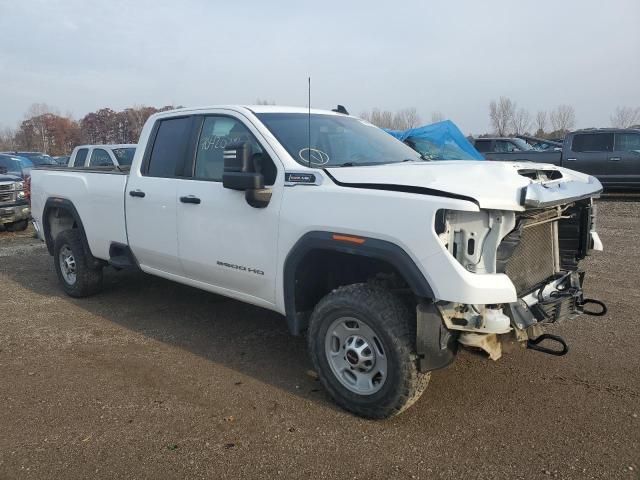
x: 151, y: 379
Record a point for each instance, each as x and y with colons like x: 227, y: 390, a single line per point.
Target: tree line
x: 44, y: 129
x: 507, y: 119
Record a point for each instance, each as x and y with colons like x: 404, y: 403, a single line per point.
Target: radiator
x: 534, y: 260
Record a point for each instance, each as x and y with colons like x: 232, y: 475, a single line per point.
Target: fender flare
x: 68, y: 206
x: 369, y: 247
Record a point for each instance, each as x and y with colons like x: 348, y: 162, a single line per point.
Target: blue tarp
x: 438, y: 141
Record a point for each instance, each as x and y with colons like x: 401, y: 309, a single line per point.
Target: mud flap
x: 436, y: 346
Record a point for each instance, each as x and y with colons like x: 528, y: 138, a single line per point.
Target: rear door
x: 590, y: 153
x: 151, y: 197
x: 627, y: 155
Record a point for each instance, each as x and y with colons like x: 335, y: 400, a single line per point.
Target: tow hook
x: 532, y: 343
x: 587, y: 301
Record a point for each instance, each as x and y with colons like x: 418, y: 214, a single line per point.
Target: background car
x: 14, y: 165
x: 62, y: 160
x: 37, y: 158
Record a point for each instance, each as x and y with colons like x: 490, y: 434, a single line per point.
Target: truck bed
x: 96, y: 193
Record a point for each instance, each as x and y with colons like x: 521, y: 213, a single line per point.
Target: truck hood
x: 491, y: 185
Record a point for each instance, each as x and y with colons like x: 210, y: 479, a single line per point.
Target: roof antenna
x: 309, y: 124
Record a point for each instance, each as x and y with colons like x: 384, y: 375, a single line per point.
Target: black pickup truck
x: 611, y: 155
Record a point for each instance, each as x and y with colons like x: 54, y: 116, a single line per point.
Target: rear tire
x: 362, y: 344
x: 18, y: 226
x: 71, y: 262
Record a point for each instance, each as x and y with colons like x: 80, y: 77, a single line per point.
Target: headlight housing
x: 21, y: 195
x: 18, y: 186
x: 472, y: 238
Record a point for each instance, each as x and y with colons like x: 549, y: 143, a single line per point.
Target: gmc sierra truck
x: 612, y: 155
x: 386, y: 261
x: 110, y: 156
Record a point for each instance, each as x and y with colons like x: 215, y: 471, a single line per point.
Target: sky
x: 451, y: 56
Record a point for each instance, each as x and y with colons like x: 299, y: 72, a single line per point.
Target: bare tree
x: 501, y: 114
x: 521, y: 122
x: 406, y: 119
x: 563, y: 118
x: 436, y: 117
x: 625, y: 117
x: 260, y: 101
x: 7, y: 139
x: 541, y: 122
x: 380, y: 118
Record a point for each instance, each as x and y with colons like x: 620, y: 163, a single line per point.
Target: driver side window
x: 218, y: 132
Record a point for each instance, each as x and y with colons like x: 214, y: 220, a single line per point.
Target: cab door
x: 150, y: 197
x: 590, y: 154
x: 627, y: 154
x: 223, y: 242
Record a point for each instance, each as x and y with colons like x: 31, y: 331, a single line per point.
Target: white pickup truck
x: 98, y: 156
x: 387, y: 261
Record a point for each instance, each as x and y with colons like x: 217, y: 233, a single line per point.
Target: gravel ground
x: 152, y: 379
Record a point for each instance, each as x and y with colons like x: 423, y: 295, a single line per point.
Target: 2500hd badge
x: 240, y: 267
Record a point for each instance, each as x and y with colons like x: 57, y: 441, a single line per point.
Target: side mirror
x: 240, y: 174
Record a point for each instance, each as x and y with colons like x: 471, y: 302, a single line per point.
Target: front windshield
x: 336, y: 140
x: 521, y: 144
x: 449, y: 150
x: 124, y: 155
x: 25, y: 162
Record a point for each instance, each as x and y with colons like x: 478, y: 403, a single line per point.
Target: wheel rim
x: 67, y: 264
x: 356, y: 356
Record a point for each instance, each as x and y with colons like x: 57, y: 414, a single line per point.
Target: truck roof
x: 606, y: 130
x: 251, y: 108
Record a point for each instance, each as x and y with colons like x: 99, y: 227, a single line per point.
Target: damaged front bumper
x: 486, y: 326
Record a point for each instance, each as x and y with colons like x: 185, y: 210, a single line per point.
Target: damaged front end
x: 539, y: 249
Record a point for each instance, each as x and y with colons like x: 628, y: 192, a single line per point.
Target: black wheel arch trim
x: 68, y: 206
x: 371, y: 247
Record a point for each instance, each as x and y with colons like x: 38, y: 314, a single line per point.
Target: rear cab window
x: 100, y: 158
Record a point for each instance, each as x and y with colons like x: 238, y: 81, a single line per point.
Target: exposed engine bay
x: 539, y: 249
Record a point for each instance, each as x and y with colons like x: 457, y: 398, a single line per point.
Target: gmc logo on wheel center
x: 240, y: 267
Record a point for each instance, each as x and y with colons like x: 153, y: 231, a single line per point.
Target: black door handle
x: 137, y: 193
x: 190, y: 199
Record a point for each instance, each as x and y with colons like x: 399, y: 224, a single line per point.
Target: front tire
x: 362, y: 344
x: 71, y: 262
